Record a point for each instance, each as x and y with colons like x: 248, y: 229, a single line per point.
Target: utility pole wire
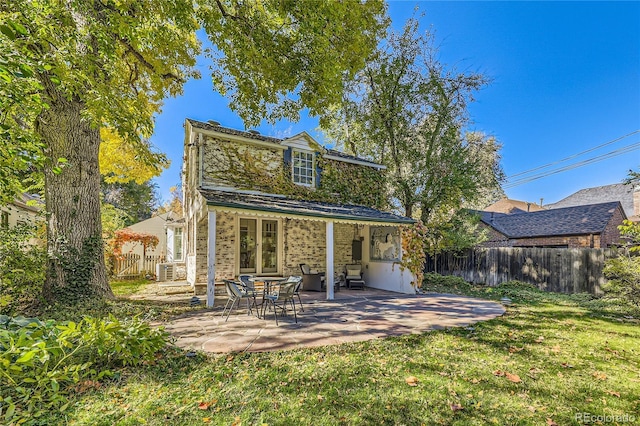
x: 572, y: 156
x: 592, y: 160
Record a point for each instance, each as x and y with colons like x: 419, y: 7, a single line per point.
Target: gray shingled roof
x: 277, y: 204
x: 351, y: 157
x: 228, y: 131
x: 578, y: 220
x: 600, y: 194
x: 259, y: 137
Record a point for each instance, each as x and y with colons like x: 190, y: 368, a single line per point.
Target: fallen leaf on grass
x: 539, y: 339
x: 550, y: 422
x: 613, y: 393
x: 599, y: 375
x: 456, y: 407
x: 513, y: 377
x: 531, y: 408
x: 203, y: 406
x: 411, y: 381
x: 513, y: 349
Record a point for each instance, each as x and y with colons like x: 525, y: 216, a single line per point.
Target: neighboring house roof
x: 28, y: 202
x: 151, y: 224
x: 600, y: 194
x: 578, y: 220
x: 507, y: 205
x: 279, y: 204
x: 216, y: 127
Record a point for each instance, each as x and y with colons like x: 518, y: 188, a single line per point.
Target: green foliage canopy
x: 69, y: 68
x: 406, y: 110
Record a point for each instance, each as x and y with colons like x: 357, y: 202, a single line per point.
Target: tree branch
x: 147, y: 64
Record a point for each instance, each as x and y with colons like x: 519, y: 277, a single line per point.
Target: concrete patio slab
x: 350, y: 319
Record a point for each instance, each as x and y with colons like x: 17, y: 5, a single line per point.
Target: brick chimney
x: 636, y: 200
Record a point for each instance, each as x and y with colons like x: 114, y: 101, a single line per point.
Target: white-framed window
x: 303, y: 168
x: 177, y: 244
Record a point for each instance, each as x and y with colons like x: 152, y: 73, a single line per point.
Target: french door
x: 259, y: 246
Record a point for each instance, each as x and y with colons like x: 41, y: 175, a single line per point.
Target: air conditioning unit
x: 165, y: 271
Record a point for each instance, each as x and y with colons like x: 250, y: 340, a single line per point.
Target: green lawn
x: 128, y: 287
x: 547, y: 359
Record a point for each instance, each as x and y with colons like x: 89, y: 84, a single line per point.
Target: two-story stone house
x: 262, y: 205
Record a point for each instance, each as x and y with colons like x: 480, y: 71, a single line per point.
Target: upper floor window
x: 303, y: 169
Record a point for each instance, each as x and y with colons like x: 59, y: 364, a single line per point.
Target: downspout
x: 200, y: 165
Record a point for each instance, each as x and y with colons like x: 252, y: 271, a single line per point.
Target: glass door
x: 259, y: 246
x: 248, y: 245
x: 269, y: 246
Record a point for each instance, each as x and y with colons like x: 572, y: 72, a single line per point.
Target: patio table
x: 266, y: 289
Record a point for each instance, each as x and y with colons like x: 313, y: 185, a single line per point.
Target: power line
x: 611, y: 154
x: 573, y: 155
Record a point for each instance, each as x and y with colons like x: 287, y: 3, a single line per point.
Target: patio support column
x: 211, y: 259
x: 328, y: 277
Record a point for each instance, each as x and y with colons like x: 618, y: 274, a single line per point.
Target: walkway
x: 353, y: 318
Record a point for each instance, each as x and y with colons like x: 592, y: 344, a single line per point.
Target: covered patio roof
x: 289, y: 206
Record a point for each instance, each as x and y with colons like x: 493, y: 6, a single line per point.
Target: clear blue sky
x: 566, y: 78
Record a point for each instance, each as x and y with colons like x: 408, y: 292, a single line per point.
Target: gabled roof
x: 600, y: 194
x: 216, y: 127
x: 578, y: 220
x: 288, y: 206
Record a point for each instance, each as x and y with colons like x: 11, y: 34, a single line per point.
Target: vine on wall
x: 340, y: 182
x: 413, y: 252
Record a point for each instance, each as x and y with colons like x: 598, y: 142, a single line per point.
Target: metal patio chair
x: 279, y: 299
x: 235, y: 296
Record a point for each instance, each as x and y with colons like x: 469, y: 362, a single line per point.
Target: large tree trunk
x: 76, y: 267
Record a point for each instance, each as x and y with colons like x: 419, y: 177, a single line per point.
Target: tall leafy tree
x: 81, y: 66
x: 406, y: 110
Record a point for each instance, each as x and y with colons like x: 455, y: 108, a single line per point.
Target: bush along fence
x: 560, y: 270
x: 133, y: 265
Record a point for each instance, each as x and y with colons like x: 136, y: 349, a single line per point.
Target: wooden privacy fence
x: 132, y: 265
x: 561, y: 270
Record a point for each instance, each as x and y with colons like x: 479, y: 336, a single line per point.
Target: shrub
x: 623, y: 273
x: 437, y: 280
x: 22, y: 268
x: 41, y: 363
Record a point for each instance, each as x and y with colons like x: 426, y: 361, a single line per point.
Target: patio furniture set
x: 278, y: 292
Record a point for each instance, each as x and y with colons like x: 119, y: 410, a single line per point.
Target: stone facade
x: 304, y: 242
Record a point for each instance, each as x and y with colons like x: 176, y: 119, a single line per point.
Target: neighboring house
x: 628, y: 195
x: 263, y: 205
x: 507, y: 205
x: 21, y: 211
x: 594, y: 226
x: 170, y: 248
